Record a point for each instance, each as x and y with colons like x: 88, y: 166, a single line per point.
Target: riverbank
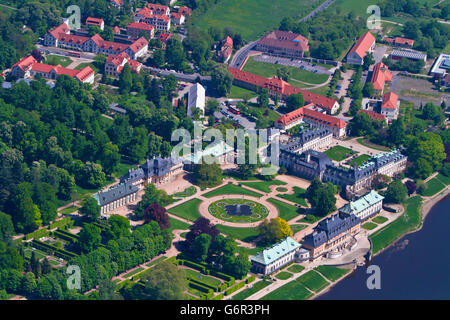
x: 425, y: 208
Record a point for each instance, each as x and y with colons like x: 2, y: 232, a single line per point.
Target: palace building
x: 283, y: 44
x: 365, y: 207
x: 116, y: 197
x: 273, y: 258
x: 311, y: 139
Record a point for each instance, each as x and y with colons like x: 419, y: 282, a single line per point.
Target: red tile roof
x: 176, y: 15
x: 390, y: 101
x: 140, y: 26
x: 306, y: 112
x: 163, y: 37
x: 62, y: 28
x: 374, y: 115
x: 118, y: 2
x: 156, y: 7
x: 117, y: 59
x: 138, y: 44
x: 380, y: 75
x: 285, y: 39
x: 25, y: 63
x: 399, y: 40
x: 363, y: 44
x: 71, y: 38
x: 185, y: 11
x: 228, y: 42
x: 94, y: 21
x: 84, y: 73
x: 116, y: 30
x: 157, y: 17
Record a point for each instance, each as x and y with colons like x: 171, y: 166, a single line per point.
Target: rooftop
x: 273, y: 253
x: 363, y: 45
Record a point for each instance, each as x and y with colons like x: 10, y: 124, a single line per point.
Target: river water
x: 417, y: 267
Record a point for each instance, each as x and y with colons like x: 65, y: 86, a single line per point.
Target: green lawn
x: 269, y: 70
x: 359, y: 160
x: 321, y: 90
x: 190, y: 273
x: 122, y: 169
x: 176, y: 224
x: 313, y: 281
x: 244, y: 234
x: 281, y: 189
x: 369, y: 226
x: 296, y: 268
x: 156, y: 261
x: 249, y: 291
x: 218, y: 210
x: 297, y: 227
x: 410, y: 220
x: 39, y: 254
x: 190, y: 191
x: 380, y: 219
x: 287, y: 212
x: 339, y: 153
x: 294, y: 290
x: 444, y: 179
x: 187, y: 210
x: 55, y: 60
x: 231, y: 189
x: 241, y: 93
x: 368, y: 144
x: 263, y: 186
x: 283, y: 275
x: 85, y: 64
x: 251, y: 18
x: 306, y: 220
x: 332, y: 273
x: 69, y: 210
x: 299, y: 196
x: 433, y: 186
x: 132, y: 273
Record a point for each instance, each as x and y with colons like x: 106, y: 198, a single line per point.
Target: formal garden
x: 238, y: 210
x: 339, y: 153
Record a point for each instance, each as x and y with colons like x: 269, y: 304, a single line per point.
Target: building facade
x: 311, y: 139
x: 116, y: 197
x: 364, y: 45
x: 283, y: 44
x: 364, y: 207
x: 196, y: 99
x: 273, y: 258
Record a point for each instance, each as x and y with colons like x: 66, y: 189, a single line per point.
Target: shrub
x: 200, y: 287
x: 37, y: 234
x: 235, y: 288
x: 218, y: 297
x: 250, y: 279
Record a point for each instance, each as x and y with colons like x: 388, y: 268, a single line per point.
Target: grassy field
x: 283, y: 275
x: 252, y: 18
x: 231, y: 189
x: 313, y: 281
x: 201, y: 277
x: 287, y: 212
x: 69, y: 210
x: 297, y: 227
x: 132, y: 273
x: 433, y: 186
x: 244, y: 234
x: 359, y: 160
x: 294, y: 290
x: 156, y: 261
x: 296, y: 268
x: 55, y: 60
x: 176, y: 224
x: 269, y: 70
x: 410, y: 220
x: 187, y: 210
x: 190, y: 191
x: 323, y: 91
x: 445, y: 180
x: 339, y: 153
x: 368, y: 144
x: 264, y: 186
x: 332, y: 273
x: 241, y: 93
x: 122, y: 169
x: 298, y: 196
x: 380, y: 219
x: 249, y: 291
x: 369, y: 226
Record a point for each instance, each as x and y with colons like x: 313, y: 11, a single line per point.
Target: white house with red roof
x: 52, y: 37
x: 28, y: 67
x: 177, y: 18
x: 284, y: 44
x: 390, y: 105
x: 164, y: 37
x: 138, y: 29
x: 380, y: 75
x: 115, y: 63
x: 95, y: 22
x: 138, y: 48
x: 226, y: 49
x: 365, y: 44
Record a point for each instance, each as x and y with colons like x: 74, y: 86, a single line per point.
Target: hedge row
x: 234, y: 288
x: 194, y: 284
x: 229, y: 280
x: 61, y: 253
x: 214, y: 288
x: 193, y: 265
x: 65, y: 236
x: 67, y: 221
x: 206, y: 296
x: 250, y: 279
x: 102, y: 226
x: 218, y: 297
x: 37, y: 234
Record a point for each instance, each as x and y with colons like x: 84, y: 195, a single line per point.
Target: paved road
x: 322, y: 7
x: 239, y: 57
x: 179, y: 75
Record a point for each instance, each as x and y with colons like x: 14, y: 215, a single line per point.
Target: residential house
x: 95, y: 22
x: 364, y: 45
x: 139, y: 29
x: 115, y: 63
x: 390, y: 106
x: 283, y: 44
x: 380, y: 75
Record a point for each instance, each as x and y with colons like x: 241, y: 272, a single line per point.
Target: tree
x: 207, y: 175
x: 368, y: 89
x: 240, y: 266
x: 368, y: 61
x: 110, y: 158
x: 23, y: 209
x: 90, y: 238
x: 429, y: 147
x: 411, y: 186
x: 107, y: 290
x: 157, y: 213
x: 200, y: 226
x: 295, y: 101
x: 321, y: 196
x: 263, y: 99
x: 6, y: 227
x: 283, y: 73
x: 361, y: 125
x: 158, y: 59
x: 201, y: 247
x: 44, y: 196
x: 269, y: 232
x: 118, y: 227
x: 165, y: 282
x: 125, y: 79
x: 221, y: 80
x: 29, y: 282
x: 434, y: 113
x: 396, y: 131
x: 285, y: 229
x: 175, y: 53
x: 90, y: 209
x: 396, y: 192
x: 152, y: 195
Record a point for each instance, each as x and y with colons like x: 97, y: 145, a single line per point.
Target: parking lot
x: 293, y: 63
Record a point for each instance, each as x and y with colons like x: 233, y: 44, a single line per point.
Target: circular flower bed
x: 238, y: 210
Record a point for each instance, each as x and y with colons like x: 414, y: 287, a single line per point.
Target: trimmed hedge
x: 235, y: 288
x: 67, y: 221
x: 200, y: 287
x: 37, y: 234
x: 66, y: 236
x: 218, y: 297
x: 229, y: 280
x: 250, y: 279
x: 61, y: 253
x: 214, y: 288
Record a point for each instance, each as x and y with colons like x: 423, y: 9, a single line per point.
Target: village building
x: 407, y: 54
x: 316, y: 119
x: 311, y: 139
x: 219, y: 152
x: 281, y: 89
x: 283, y: 44
x: 116, y: 197
x: 164, y: 37
x: 390, y: 105
x: 441, y: 66
x: 275, y: 257
x: 380, y: 75
x: 114, y: 64
x: 332, y: 235
x: 96, y: 22
x: 226, y: 49
x: 364, y: 207
x: 178, y: 18
x: 374, y: 115
x: 364, y: 45
x: 400, y: 42
x: 140, y: 29
x: 28, y: 67
x: 156, y: 15
x: 196, y: 99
